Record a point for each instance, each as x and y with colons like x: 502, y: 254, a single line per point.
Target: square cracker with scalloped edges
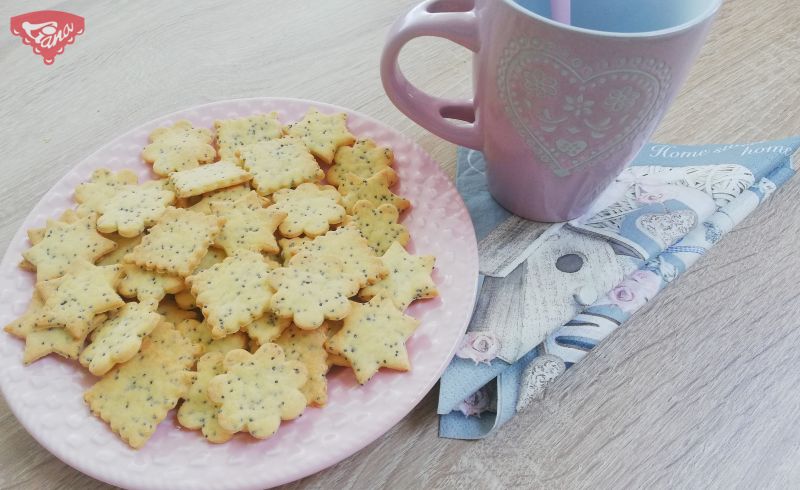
x: 207, y: 178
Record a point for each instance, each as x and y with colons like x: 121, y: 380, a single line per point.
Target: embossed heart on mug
x: 571, y: 148
x: 572, y: 113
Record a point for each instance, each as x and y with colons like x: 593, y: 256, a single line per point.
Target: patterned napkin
x: 551, y: 292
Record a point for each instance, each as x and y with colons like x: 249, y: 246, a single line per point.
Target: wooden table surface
x: 701, y: 389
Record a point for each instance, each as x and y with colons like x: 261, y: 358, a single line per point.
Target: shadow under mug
x: 559, y: 110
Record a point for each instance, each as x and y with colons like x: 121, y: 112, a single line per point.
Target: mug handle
x: 430, y: 18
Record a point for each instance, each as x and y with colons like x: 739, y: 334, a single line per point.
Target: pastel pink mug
x: 559, y: 110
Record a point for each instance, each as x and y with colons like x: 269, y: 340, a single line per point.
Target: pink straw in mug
x: 560, y: 10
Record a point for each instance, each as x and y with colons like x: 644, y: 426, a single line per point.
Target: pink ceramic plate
x: 47, y: 399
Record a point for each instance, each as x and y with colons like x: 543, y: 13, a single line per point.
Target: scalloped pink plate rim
x: 46, y: 397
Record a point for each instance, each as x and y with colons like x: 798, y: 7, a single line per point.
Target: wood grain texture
x: 508, y: 245
x: 698, y: 390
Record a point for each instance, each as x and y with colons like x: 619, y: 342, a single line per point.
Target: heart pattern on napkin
x: 667, y: 228
x: 573, y: 114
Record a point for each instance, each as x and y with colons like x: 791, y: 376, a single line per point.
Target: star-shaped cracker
x: 232, y: 293
x: 147, y: 285
x: 36, y: 235
x: 228, y: 194
x: 119, y: 338
x: 179, y: 147
x: 358, y: 259
x: 373, y: 336
x: 92, y: 196
x: 267, y: 327
x: 65, y: 243
x: 198, y: 411
x: 233, y: 134
x: 207, y: 178
x: 248, y: 225
x: 322, y: 133
x: 310, y: 289
x: 409, y: 278
x: 307, y: 346
x: 199, y: 333
x: 177, y: 242
x: 310, y: 209
x: 132, y: 208
x: 378, y: 225
x: 72, y: 301
x: 374, y: 189
x: 258, y: 390
x: 136, y: 396
x: 363, y: 159
x: 40, y: 343
x: 280, y: 164
x: 174, y: 314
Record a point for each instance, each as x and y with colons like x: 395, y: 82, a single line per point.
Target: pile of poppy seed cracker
x: 261, y: 256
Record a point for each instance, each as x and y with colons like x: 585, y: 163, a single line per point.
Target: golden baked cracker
x: 374, y: 336
x: 267, y: 327
x: 333, y: 328
x: 199, y: 333
x: 132, y: 208
x: 258, y: 390
x: 310, y: 289
x: 177, y: 242
x: 92, y: 196
x: 134, y: 397
x: 374, y: 189
x: 322, y: 133
x: 232, y: 293
x: 35, y: 235
x: 310, y: 209
x: 179, y: 147
x: 307, y: 346
x: 378, y: 225
x: 65, y: 243
x: 125, y: 245
x: 147, y: 285
x: 233, y: 134
x: 197, y: 410
x: 185, y: 299
x: 119, y: 338
x: 166, y: 336
x: 73, y: 300
x: 290, y: 246
x: 248, y: 225
x: 227, y: 194
x: 279, y: 164
x: 207, y: 178
x: 409, y: 278
x: 172, y: 313
x: 363, y: 159
x: 40, y: 343
x: 358, y: 259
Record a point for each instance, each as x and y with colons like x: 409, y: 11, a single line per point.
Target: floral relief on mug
x: 573, y: 113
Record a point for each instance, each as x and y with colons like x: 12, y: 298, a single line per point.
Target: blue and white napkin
x: 545, y: 302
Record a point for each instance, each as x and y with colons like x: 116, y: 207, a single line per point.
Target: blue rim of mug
x: 712, y: 9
